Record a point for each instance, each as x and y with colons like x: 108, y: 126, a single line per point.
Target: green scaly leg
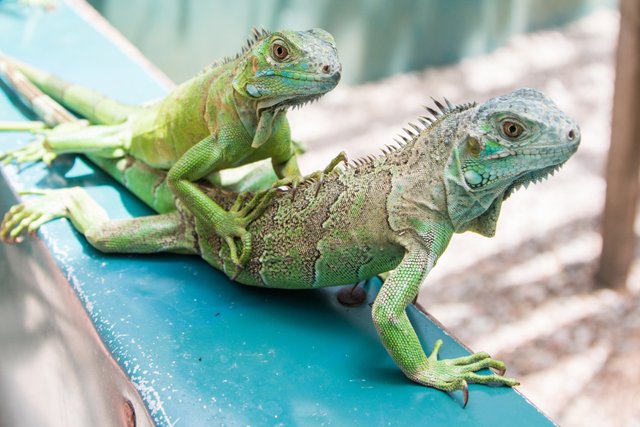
x: 399, y: 337
x: 197, y: 163
x: 157, y: 233
x: 319, y: 175
x: 109, y: 141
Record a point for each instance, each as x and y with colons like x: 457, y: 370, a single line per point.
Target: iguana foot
x: 454, y: 374
x: 317, y: 176
x: 238, y: 219
x: 290, y: 182
x: 35, y: 151
x: 38, y: 149
x: 31, y: 214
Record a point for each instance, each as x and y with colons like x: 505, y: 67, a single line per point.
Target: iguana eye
x: 279, y: 51
x: 512, y: 129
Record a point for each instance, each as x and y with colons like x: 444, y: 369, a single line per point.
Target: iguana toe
x: 455, y: 374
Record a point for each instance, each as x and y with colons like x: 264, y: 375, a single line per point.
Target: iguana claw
x: 236, y: 273
x: 465, y: 394
x: 455, y: 374
x: 291, y: 183
x: 501, y: 371
x: 32, y: 213
x: 317, y: 176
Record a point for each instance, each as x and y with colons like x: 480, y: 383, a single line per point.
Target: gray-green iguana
x: 231, y: 114
x: 392, y: 213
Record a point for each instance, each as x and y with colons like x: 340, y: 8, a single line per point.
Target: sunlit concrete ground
x: 526, y: 296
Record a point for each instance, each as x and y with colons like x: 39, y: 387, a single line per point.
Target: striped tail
x: 95, y: 107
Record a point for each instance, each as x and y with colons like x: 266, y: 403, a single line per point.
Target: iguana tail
x: 95, y: 107
x: 145, y: 182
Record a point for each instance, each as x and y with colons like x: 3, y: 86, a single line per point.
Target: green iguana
x: 392, y: 213
x: 231, y: 114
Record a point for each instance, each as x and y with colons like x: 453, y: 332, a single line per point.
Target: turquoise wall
x: 376, y: 38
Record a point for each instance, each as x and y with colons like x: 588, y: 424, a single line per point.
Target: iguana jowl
x: 393, y: 213
x: 231, y: 114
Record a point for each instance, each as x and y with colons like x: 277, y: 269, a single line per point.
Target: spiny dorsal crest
x: 412, y: 131
x: 444, y: 111
x: 257, y: 35
x: 412, y: 134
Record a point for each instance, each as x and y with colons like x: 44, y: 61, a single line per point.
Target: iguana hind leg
x: 170, y: 232
x: 109, y: 141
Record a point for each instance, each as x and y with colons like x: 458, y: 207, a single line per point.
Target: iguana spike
x: 265, y: 32
x: 404, y: 138
x: 439, y: 105
x: 408, y: 132
x: 416, y: 127
x: 388, y: 149
x: 256, y: 32
x: 424, y: 122
x: 449, y: 104
x: 432, y: 111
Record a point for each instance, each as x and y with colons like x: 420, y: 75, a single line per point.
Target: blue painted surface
x: 200, y: 349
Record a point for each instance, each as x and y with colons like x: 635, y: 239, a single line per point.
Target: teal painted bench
x: 199, y: 349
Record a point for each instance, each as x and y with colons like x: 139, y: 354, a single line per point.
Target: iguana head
x: 287, y: 68
x: 509, y: 142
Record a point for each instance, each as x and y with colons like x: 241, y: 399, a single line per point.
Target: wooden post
x: 623, y: 165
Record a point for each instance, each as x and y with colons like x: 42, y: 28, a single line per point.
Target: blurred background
x: 543, y: 295
x: 376, y: 38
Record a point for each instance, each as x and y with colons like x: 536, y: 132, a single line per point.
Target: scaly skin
x: 231, y: 114
x: 393, y: 213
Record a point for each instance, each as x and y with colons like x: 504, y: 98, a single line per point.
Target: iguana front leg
x: 399, y: 337
x: 199, y: 161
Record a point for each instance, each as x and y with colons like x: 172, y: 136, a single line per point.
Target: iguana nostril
x: 571, y: 135
x: 326, y: 69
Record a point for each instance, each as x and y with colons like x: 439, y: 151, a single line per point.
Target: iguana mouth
x: 285, y: 104
x: 303, y: 77
x: 532, y: 177
x: 539, y: 175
